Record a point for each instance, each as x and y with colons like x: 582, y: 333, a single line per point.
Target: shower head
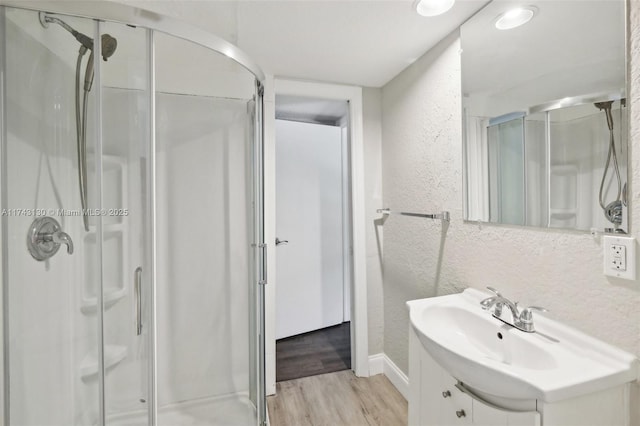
x: 108, y: 48
x: 109, y: 44
x: 606, y: 106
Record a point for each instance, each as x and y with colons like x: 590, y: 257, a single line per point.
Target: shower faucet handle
x: 45, y: 237
x: 60, y: 237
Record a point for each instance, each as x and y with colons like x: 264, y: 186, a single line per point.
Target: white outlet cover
x: 610, y: 260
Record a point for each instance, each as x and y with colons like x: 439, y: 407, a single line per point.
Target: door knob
x: 279, y: 241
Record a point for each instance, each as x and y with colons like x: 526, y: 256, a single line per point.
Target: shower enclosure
x: 132, y: 238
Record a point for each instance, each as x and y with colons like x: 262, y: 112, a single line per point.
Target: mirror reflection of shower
x: 108, y: 48
x: 612, y: 210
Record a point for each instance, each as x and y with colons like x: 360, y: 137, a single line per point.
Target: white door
x: 309, y: 209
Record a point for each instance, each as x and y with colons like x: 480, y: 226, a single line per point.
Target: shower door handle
x: 137, y: 284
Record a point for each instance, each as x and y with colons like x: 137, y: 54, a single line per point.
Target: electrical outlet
x: 619, y: 256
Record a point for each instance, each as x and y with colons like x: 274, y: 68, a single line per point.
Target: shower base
x: 228, y: 410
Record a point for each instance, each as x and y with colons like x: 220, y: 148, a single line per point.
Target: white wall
x: 422, y: 172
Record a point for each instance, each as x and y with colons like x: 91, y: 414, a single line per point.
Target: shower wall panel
x: 203, y: 242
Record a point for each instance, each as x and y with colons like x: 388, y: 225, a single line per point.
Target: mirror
x: 545, y: 120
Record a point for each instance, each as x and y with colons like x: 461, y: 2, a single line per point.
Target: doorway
x: 313, y: 229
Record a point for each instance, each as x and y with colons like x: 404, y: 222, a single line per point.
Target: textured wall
x: 422, y: 171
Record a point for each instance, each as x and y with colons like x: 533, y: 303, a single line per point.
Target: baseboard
x: 382, y: 364
x: 376, y: 364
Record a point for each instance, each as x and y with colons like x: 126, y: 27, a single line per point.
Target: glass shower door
x: 124, y: 226
x: 77, y: 319
x: 207, y: 341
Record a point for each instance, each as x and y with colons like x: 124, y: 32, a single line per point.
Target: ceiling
x: 360, y: 42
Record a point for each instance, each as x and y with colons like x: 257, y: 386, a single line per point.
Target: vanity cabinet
x: 438, y: 399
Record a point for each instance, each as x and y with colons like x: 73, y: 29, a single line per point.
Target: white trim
x: 352, y: 94
x: 269, y: 234
x: 376, y: 364
x: 382, y: 364
x: 396, y: 377
x: 346, y: 222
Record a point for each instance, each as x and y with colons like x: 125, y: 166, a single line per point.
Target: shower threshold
x: 227, y: 410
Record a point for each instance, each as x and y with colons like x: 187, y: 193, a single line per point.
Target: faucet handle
x: 527, y: 313
x: 45, y: 237
x: 494, y: 291
x: 60, y: 237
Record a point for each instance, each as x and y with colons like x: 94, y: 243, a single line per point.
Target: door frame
x: 359, y: 325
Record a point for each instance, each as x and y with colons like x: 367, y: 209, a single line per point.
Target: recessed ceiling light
x: 432, y: 7
x: 515, y: 17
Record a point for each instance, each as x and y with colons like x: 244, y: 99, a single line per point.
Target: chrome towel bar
x: 438, y: 216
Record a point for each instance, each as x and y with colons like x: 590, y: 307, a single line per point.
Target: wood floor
x: 337, y: 399
x: 317, y: 352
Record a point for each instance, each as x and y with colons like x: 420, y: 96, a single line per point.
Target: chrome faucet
x: 45, y: 237
x: 520, y: 320
x: 58, y: 237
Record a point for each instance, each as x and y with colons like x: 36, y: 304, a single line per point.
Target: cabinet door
x: 436, y: 401
x: 487, y: 415
x: 456, y: 408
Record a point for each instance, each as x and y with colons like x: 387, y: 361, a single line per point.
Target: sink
x: 555, y: 363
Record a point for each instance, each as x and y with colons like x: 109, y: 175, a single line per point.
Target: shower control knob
x: 45, y: 237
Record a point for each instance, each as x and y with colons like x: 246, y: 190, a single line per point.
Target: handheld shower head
x: 109, y: 46
x: 107, y: 49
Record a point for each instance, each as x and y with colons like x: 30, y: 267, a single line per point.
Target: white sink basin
x: 554, y: 363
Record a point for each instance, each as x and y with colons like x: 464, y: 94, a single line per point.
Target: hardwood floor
x: 337, y: 399
x: 317, y: 352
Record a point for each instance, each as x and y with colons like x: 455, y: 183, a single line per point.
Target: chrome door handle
x: 279, y: 241
x: 137, y: 288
